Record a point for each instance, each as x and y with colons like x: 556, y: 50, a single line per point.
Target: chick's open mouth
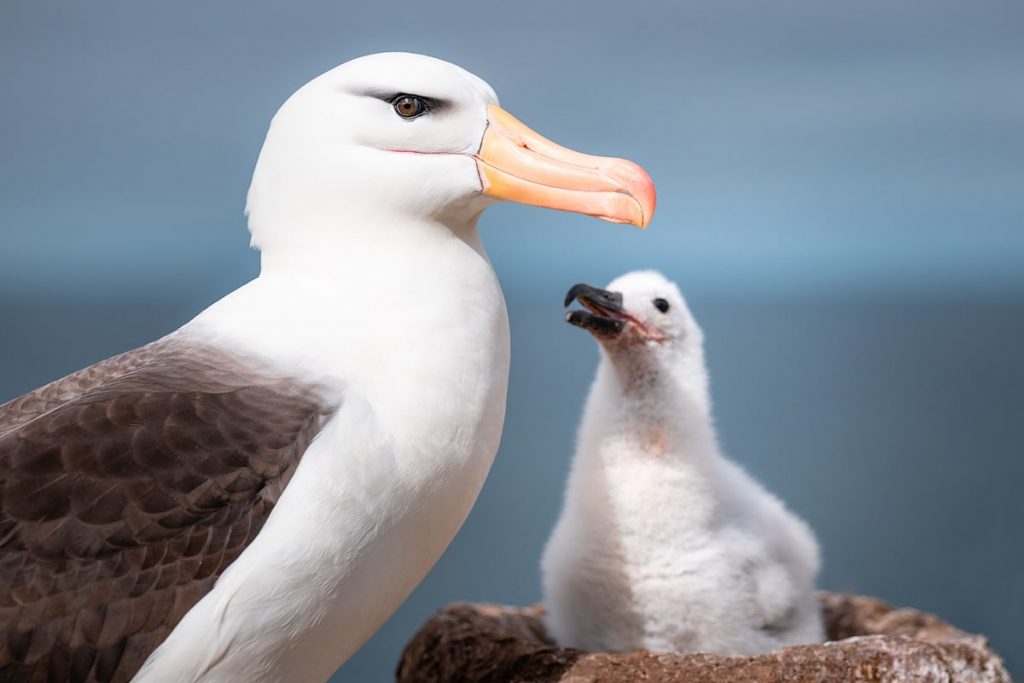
x: 601, y: 325
x: 603, y: 315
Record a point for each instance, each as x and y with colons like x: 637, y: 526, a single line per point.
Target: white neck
x: 317, y: 247
x: 400, y: 312
x: 653, y: 391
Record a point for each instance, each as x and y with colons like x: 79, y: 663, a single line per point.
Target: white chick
x: 663, y: 544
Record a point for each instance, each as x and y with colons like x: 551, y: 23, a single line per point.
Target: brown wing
x: 47, y: 397
x: 123, y: 496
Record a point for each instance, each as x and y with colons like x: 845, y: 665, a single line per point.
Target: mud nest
x: 868, y: 641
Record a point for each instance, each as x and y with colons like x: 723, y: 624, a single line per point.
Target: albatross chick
x: 663, y: 544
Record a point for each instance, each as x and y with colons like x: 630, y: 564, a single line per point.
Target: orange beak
x: 517, y: 164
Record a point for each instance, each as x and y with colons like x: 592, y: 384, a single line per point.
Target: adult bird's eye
x: 661, y: 305
x: 409, y: 106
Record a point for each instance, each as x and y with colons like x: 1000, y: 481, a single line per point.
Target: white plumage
x: 664, y: 544
x: 396, y: 315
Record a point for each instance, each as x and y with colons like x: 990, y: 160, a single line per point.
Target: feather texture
x: 126, y: 489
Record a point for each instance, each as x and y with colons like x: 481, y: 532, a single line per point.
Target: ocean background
x: 841, y: 199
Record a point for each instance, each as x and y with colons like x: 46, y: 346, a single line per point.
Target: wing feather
x: 126, y: 489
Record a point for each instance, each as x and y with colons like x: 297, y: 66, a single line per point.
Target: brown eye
x: 408, y: 106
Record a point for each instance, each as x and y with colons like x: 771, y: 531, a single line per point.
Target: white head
x: 644, y: 327
x: 398, y: 139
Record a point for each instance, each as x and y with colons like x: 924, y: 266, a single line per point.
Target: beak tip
x: 638, y: 186
x: 571, y: 295
x: 646, y: 197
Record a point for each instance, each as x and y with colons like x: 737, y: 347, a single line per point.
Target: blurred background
x: 841, y: 198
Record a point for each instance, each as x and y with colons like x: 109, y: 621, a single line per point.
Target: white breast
x: 415, y: 353
x: 665, y: 545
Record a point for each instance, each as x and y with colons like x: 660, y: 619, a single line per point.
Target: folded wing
x: 126, y: 489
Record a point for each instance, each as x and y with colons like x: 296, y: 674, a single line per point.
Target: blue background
x: 841, y: 197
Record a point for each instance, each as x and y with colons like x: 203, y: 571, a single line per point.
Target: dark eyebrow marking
x: 391, y: 96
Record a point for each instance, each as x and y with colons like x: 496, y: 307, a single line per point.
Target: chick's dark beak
x: 604, y: 317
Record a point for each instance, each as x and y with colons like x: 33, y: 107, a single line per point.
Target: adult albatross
x: 250, y: 497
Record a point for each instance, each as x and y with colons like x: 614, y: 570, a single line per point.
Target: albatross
x: 250, y: 497
x: 663, y: 543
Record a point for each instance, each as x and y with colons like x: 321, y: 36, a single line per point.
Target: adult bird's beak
x: 517, y: 164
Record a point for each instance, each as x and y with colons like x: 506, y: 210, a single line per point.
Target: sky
x: 840, y: 196
x: 796, y: 146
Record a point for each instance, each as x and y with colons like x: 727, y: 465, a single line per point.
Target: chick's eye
x: 661, y: 305
x: 409, y: 106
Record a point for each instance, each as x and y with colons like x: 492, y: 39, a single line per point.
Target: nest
x: 868, y: 640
